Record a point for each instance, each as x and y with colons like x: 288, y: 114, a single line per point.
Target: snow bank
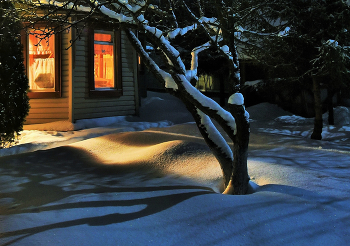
x: 266, y: 112
x: 62, y: 126
x: 159, y: 151
x: 157, y: 111
x: 294, y: 119
x: 155, y: 187
x: 269, y: 118
x: 341, y: 118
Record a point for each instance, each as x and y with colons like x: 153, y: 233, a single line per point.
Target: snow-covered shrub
x: 341, y: 116
x: 14, y: 103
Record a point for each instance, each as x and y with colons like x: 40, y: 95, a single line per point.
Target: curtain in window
x: 42, y: 74
x: 104, y: 66
x: 41, y: 60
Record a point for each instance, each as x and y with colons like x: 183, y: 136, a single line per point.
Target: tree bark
x: 224, y: 161
x: 234, y: 168
x: 330, y: 95
x: 239, y: 182
x: 318, y: 124
x: 222, y: 91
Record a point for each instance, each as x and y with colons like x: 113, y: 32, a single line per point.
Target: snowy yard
x: 153, y: 181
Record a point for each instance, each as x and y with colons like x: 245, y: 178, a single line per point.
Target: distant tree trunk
x: 239, y: 182
x: 222, y: 92
x: 318, y: 124
x: 330, y: 94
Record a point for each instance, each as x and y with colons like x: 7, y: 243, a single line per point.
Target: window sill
x: 105, y: 93
x: 37, y: 95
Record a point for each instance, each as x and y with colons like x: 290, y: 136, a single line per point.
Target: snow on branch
x: 167, y: 79
x: 284, y: 33
x: 208, y: 105
x: 172, y: 53
x: 66, y: 5
x: 238, y: 99
x: 135, y: 8
x: 207, y: 20
x: 124, y: 15
x: 227, y: 52
x: 211, y: 25
x: 214, y: 135
x: 184, y: 30
x: 181, y: 31
x: 114, y: 15
x: 192, y: 74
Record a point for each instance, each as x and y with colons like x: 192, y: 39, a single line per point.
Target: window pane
x: 102, y: 37
x: 41, y: 56
x: 104, y: 65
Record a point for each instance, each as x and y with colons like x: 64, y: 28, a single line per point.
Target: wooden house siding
x: 85, y: 107
x: 75, y: 102
x: 53, y: 109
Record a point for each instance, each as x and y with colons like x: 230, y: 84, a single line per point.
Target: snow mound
x: 162, y: 152
x: 162, y: 106
x: 98, y: 122
x: 294, y: 119
x: 341, y: 116
x: 149, y: 100
x: 266, y: 111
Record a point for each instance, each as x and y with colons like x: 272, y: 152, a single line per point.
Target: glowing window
x: 41, y: 61
x: 104, y: 60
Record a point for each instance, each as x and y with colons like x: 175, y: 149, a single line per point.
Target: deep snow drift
x: 118, y: 185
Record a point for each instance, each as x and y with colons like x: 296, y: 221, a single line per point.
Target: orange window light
x: 103, y: 61
x: 41, y: 57
x: 102, y: 37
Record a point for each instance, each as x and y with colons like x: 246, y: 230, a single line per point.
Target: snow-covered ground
x: 151, y: 180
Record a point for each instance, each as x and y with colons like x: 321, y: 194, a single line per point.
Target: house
x: 96, y: 77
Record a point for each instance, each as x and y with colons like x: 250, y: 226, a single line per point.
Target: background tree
x: 298, y: 37
x: 164, y: 24
x: 14, y: 105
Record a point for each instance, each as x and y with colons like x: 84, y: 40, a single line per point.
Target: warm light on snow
x: 152, y: 150
x: 156, y: 186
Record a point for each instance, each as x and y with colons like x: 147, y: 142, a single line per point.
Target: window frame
x: 117, y: 90
x: 58, y: 72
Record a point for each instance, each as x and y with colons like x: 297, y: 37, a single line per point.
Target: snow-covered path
x: 159, y: 187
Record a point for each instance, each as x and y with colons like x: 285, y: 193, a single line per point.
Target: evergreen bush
x: 14, y: 104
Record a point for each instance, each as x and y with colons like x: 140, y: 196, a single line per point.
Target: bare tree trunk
x: 318, y: 124
x: 239, y: 182
x: 233, y: 165
x: 330, y: 95
x: 222, y: 92
x: 224, y: 161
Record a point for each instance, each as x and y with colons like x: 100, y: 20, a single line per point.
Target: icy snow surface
x: 118, y: 184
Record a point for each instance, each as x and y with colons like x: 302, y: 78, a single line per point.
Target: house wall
x: 85, y: 107
x: 53, y: 109
x: 75, y: 102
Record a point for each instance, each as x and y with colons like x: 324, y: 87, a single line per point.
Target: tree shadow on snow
x: 38, y: 182
x: 304, y: 194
